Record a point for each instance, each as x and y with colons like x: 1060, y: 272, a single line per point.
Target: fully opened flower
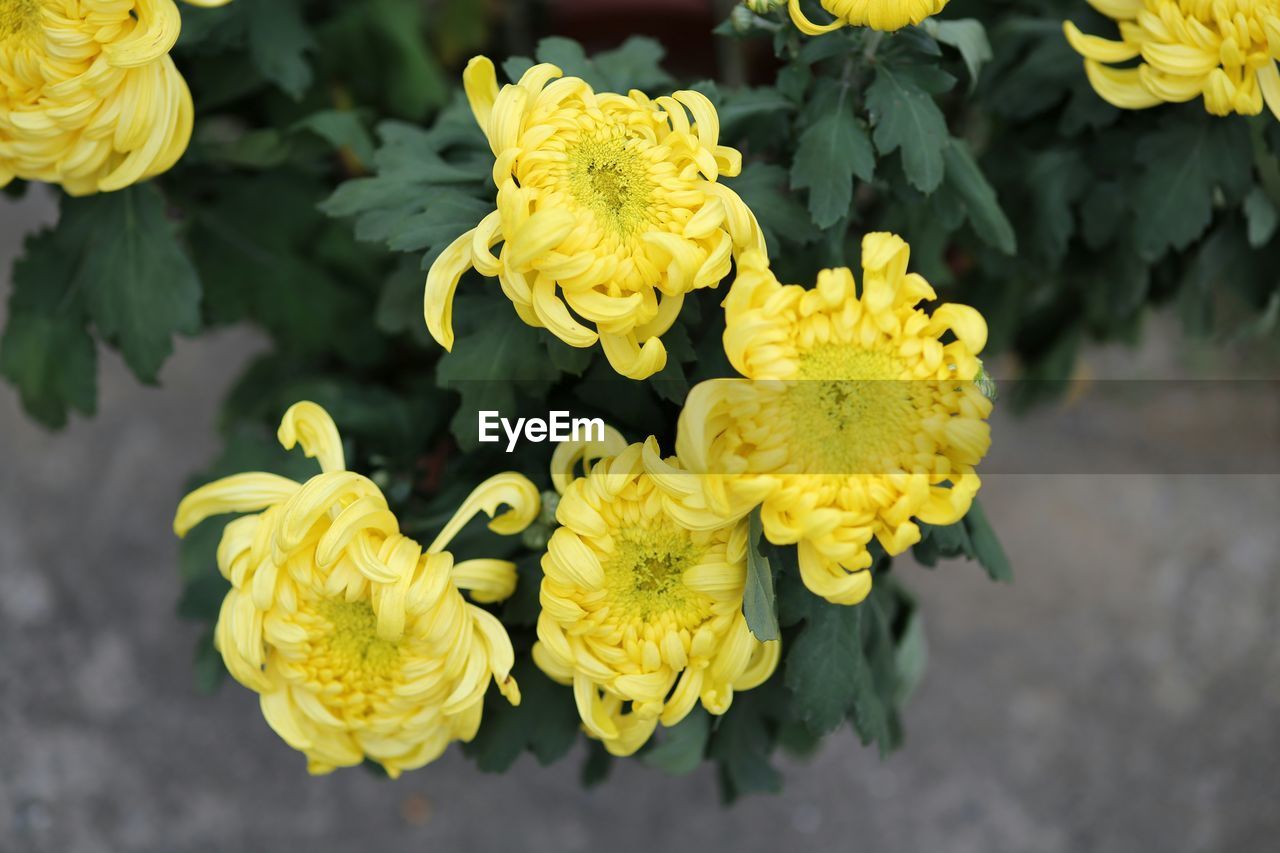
x: 886, y: 15
x: 1224, y: 51
x: 641, y: 615
x: 357, y: 639
x: 863, y: 418
x: 609, y: 211
x: 89, y: 97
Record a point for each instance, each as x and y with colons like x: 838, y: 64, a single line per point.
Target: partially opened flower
x: 886, y: 15
x: 863, y: 418
x: 609, y: 211
x: 1223, y: 51
x: 358, y: 639
x: 89, y: 97
x: 640, y: 614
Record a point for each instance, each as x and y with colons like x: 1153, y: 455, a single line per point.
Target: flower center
x: 644, y: 573
x: 17, y: 17
x: 351, y: 653
x: 608, y: 177
x: 850, y: 411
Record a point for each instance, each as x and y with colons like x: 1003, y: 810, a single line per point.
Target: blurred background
x: 1122, y: 694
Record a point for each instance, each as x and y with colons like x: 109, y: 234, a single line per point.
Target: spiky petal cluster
x: 609, y: 211
x: 89, y: 97
x: 357, y: 639
x: 859, y: 420
x: 885, y: 15
x: 640, y: 614
x: 1223, y: 51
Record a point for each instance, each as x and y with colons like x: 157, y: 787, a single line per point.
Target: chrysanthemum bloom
x: 357, y: 638
x: 885, y: 15
x: 1224, y: 51
x: 640, y: 614
x: 89, y: 97
x: 609, y: 207
x: 861, y: 419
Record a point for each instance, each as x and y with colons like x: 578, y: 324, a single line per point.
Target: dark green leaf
x: 826, y: 667
x: 1183, y: 162
x: 967, y: 36
x: 758, y: 604
x: 741, y: 744
x: 46, y: 351
x: 1260, y: 213
x: 682, y: 747
x: 278, y: 41
x: 906, y: 118
x: 139, y: 286
x: 981, y: 205
x: 986, y: 546
x: 341, y: 129
x: 831, y: 151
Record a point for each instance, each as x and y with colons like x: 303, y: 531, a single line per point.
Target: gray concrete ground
x: 1123, y: 695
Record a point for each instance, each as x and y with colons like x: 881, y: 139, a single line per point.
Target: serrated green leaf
x: 831, y: 152
x: 911, y: 657
x: 986, y: 547
x: 906, y: 118
x: 341, y: 129
x: 683, y: 746
x: 981, y: 206
x: 208, y: 667
x: 545, y: 722
x: 741, y: 107
x: 278, y: 42
x: 966, y: 35
x: 758, y: 605
x: 741, y: 745
x: 496, y: 360
x: 1183, y: 162
x: 826, y: 667
x: 139, y: 286
x: 763, y: 187
x: 47, y: 352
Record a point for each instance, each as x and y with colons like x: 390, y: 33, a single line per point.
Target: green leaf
x: 47, y: 352
x: 966, y: 35
x: 746, y: 105
x: 1260, y: 213
x: 496, y: 360
x: 831, y: 151
x: 682, y: 747
x: 597, y: 767
x: 741, y: 745
x: 906, y: 118
x: 1183, y: 162
x: 341, y: 129
x: 139, y: 286
x: 826, y: 667
x: 758, y: 604
x: 208, y: 666
x: 763, y: 187
x: 278, y: 41
x: 981, y: 206
x: 545, y: 722
x: 986, y: 546
x: 1055, y: 178
x: 911, y: 657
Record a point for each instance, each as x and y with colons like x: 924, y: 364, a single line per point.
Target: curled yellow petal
x: 309, y: 424
x: 509, y: 489
x: 237, y: 493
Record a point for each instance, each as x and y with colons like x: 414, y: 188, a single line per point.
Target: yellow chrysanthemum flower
x: 640, y: 614
x: 860, y: 419
x: 884, y: 15
x: 1222, y: 50
x: 608, y: 205
x: 356, y: 637
x: 89, y: 97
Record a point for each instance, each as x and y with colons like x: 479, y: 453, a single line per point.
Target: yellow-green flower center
x: 850, y: 411
x: 608, y: 176
x: 348, y: 651
x: 644, y: 573
x: 18, y: 16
